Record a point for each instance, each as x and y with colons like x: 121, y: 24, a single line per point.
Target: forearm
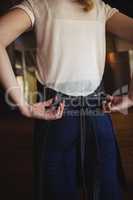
x: 8, y: 79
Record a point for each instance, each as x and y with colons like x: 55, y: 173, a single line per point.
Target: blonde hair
x: 87, y: 4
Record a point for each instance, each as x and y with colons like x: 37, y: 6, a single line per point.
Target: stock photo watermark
x: 90, y: 105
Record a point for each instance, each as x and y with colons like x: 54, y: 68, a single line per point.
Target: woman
x: 74, y: 143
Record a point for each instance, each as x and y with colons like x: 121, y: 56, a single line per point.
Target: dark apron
x: 90, y: 189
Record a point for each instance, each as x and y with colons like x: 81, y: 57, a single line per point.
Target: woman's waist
x: 91, y: 101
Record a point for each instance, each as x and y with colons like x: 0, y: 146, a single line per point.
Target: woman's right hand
x: 42, y: 110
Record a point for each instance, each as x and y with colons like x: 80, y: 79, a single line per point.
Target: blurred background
x: 16, y: 130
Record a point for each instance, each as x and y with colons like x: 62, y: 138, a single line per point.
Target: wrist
x: 130, y: 96
x: 130, y: 100
x: 26, y: 109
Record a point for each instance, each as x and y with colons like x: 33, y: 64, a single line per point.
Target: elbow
x: 2, y: 49
x: 130, y: 35
x: 2, y: 45
x: 4, y: 41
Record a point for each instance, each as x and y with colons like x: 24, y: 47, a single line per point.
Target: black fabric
x: 91, y: 184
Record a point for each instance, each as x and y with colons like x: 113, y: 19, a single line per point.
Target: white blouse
x: 70, y: 43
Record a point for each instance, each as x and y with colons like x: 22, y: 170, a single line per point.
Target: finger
x: 104, y: 106
x: 56, y: 98
x: 109, y: 106
x: 31, y: 109
x: 60, y: 110
x: 62, y: 105
x: 48, y: 102
x: 53, y: 114
x: 115, y: 108
x: 120, y: 109
x: 110, y: 98
x: 117, y: 100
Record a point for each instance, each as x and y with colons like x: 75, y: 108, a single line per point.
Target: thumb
x: 114, y: 108
x: 120, y: 109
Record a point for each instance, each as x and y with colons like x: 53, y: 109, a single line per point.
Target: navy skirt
x: 77, y: 155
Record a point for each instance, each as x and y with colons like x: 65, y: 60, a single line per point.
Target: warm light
x: 112, y: 58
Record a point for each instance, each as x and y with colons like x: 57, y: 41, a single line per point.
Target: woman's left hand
x: 118, y: 104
